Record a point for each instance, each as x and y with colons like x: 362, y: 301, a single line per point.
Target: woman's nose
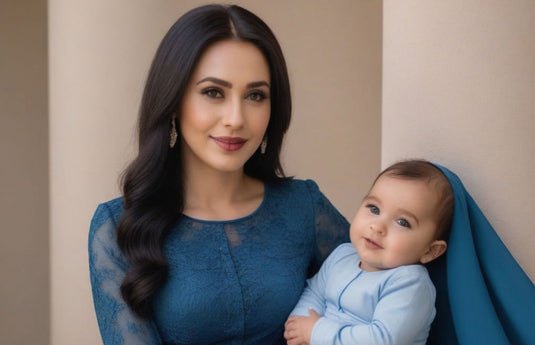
x: 234, y: 114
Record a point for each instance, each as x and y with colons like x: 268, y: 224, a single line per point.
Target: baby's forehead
x: 400, y: 187
x: 387, y: 177
x: 433, y: 182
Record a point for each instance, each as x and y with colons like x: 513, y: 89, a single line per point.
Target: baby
x: 375, y: 290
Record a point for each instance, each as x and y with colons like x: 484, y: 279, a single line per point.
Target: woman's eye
x: 213, y: 93
x: 404, y: 223
x: 256, y: 96
x: 373, y: 209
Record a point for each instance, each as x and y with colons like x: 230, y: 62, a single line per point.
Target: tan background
x: 452, y: 79
x: 459, y: 88
x: 24, y: 191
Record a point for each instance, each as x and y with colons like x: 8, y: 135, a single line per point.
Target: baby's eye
x: 373, y: 209
x: 256, y: 96
x: 213, y: 93
x: 404, y: 223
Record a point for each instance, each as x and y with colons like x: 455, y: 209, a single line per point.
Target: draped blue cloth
x: 483, y: 295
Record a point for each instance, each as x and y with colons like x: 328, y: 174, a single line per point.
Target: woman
x: 210, y: 242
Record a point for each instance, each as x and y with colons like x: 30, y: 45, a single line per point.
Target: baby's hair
x: 422, y: 170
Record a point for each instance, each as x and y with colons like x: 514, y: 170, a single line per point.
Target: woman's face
x: 226, y: 107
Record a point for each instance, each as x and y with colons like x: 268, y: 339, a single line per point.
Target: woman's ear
x: 436, y: 249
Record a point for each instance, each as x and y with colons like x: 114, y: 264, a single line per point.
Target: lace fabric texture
x: 230, y: 282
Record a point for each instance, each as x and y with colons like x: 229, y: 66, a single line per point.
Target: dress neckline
x: 234, y: 220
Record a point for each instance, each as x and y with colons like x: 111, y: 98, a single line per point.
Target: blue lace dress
x: 229, y: 282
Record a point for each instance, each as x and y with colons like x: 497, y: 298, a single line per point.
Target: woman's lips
x: 230, y: 143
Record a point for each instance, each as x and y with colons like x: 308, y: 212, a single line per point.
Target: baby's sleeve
x: 403, y: 314
x: 315, y: 292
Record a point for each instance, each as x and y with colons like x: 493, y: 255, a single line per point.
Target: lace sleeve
x: 107, y: 267
x: 332, y: 228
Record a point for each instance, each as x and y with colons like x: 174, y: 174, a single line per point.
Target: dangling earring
x: 263, y: 146
x: 173, y: 135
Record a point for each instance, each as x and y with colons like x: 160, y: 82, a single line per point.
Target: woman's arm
x: 107, y: 267
x: 331, y: 227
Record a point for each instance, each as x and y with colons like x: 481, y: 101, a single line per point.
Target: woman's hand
x: 298, y: 329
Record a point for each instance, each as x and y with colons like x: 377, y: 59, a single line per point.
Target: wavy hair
x: 152, y: 184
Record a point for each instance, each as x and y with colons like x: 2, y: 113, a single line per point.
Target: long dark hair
x: 153, y: 182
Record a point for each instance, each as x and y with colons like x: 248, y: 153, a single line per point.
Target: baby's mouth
x: 372, y: 244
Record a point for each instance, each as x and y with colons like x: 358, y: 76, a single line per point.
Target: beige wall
x: 24, y: 252
x: 334, y: 59
x: 99, y: 55
x: 459, y: 89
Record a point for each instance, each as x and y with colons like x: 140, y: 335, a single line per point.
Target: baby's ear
x: 436, y: 249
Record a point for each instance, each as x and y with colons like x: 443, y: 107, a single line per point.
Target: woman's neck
x: 216, y: 195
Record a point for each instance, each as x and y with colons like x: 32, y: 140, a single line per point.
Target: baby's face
x: 396, y: 224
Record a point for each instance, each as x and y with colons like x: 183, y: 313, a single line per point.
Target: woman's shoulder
x: 295, y: 186
x: 103, y: 228
x: 107, y: 211
x: 292, y: 196
x: 106, y: 260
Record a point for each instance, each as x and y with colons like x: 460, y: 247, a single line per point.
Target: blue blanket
x: 483, y: 295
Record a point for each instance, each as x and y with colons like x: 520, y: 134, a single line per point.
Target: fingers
x: 292, y: 338
x: 295, y: 317
x: 290, y: 331
x: 293, y: 342
x: 292, y: 321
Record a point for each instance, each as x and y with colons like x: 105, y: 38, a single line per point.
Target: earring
x: 263, y: 146
x: 172, y: 134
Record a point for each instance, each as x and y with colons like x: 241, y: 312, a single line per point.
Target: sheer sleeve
x: 332, y: 229
x: 107, y: 267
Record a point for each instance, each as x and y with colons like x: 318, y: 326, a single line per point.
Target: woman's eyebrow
x: 218, y: 81
x: 257, y: 84
x: 227, y: 84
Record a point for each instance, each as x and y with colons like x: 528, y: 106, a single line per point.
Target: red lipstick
x: 230, y: 143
